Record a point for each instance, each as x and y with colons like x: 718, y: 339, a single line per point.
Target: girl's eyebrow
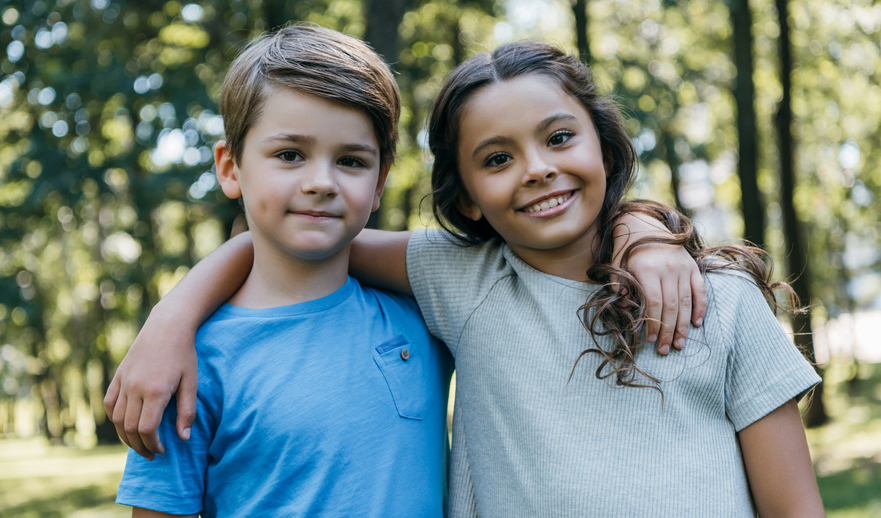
x: 492, y: 141
x: 542, y: 126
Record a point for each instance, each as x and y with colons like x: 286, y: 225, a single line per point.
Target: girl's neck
x: 569, y: 262
x: 280, y: 279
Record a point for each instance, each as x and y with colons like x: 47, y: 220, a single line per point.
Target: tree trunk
x: 796, y: 259
x: 382, y: 19
x: 744, y: 94
x: 673, y: 162
x: 579, y: 8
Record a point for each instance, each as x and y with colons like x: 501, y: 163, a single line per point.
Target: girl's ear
x: 467, y: 207
x: 227, y: 171
x: 380, y: 185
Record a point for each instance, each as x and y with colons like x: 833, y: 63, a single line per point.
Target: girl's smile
x: 535, y: 172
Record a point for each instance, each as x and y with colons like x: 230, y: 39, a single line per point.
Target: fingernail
x: 653, y: 338
x: 664, y: 349
x: 699, y: 322
x: 186, y: 434
x: 680, y: 343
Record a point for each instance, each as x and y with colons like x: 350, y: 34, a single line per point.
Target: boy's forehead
x: 292, y: 109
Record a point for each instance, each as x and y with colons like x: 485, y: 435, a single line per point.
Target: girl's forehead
x: 520, y: 102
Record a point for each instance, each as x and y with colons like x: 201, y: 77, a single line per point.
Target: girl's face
x: 532, y: 164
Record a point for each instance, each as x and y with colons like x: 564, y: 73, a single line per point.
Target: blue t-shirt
x: 332, y: 407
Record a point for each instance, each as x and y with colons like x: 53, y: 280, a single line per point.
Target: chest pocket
x: 404, y: 371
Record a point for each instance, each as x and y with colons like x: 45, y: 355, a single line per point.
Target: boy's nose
x: 320, y: 180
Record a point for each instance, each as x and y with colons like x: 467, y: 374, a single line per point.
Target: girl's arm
x: 671, y: 281
x: 379, y: 258
x: 778, y: 465
x: 162, y: 359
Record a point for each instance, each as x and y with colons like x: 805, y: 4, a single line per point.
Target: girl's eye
x: 289, y: 156
x: 560, y: 138
x: 497, y: 160
x: 351, y: 162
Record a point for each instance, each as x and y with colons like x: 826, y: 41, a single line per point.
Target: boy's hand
x: 161, y: 361
x: 671, y: 281
x: 674, y: 293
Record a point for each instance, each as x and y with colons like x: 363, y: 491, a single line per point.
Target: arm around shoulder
x: 379, y: 258
x: 778, y: 465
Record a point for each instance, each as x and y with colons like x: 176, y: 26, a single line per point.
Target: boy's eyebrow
x: 291, y: 137
x: 308, y: 139
x: 359, y: 147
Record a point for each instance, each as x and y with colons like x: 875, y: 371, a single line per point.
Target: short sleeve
x: 765, y: 369
x: 450, y: 280
x: 174, y: 482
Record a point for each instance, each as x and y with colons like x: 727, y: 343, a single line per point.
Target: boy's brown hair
x: 317, y: 61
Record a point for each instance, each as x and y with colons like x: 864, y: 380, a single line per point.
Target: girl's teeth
x: 547, y: 204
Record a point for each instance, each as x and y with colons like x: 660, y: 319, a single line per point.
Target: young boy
x: 316, y: 396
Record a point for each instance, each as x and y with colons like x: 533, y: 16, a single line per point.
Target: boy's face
x: 309, y: 174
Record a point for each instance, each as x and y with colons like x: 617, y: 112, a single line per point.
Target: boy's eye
x: 497, y: 160
x: 289, y: 156
x: 351, y: 162
x: 560, y: 138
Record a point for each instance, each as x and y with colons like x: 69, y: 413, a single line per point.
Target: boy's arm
x: 778, y: 465
x: 671, y: 281
x: 140, y: 512
x: 379, y: 258
x: 162, y: 359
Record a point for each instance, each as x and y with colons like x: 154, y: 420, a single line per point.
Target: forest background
x: 759, y: 119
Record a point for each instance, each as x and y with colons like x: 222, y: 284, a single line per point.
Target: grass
x: 42, y: 481
x: 847, y: 451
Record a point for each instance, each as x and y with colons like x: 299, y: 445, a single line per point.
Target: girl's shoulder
x: 437, y: 249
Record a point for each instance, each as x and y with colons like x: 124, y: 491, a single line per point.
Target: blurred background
x: 759, y: 119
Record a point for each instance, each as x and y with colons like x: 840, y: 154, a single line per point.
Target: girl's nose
x: 319, y: 180
x: 538, y: 170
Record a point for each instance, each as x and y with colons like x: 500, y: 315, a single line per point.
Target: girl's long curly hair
x: 617, y: 309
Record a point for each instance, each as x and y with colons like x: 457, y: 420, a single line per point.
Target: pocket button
x: 405, y: 355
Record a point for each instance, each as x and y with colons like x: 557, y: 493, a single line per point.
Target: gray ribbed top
x: 527, y: 441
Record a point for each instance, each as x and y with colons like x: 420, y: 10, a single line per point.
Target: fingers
x: 653, y: 305
x: 130, y: 428
x: 111, y: 397
x: 669, y: 315
x: 118, y: 417
x: 186, y: 406
x: 683, y: 315
x: 148, y: 425
x: 699, y: 292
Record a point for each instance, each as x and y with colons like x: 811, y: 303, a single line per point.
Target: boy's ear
x: 227, y: 171
x: 467, y: 207
x: 380, y: 185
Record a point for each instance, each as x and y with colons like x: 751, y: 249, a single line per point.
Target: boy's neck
x: 279, y: 279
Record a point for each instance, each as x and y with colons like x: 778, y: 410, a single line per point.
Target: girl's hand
x: 162, y: 360
x: 674, y: 289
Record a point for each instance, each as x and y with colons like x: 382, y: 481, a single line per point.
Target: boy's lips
x: 314, y: 214
x: 549, y: 205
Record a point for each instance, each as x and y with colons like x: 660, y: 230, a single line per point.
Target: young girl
x: 530, y: 169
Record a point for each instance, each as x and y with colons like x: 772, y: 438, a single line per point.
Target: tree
x: 797, y: 256
x: 744, y: 93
